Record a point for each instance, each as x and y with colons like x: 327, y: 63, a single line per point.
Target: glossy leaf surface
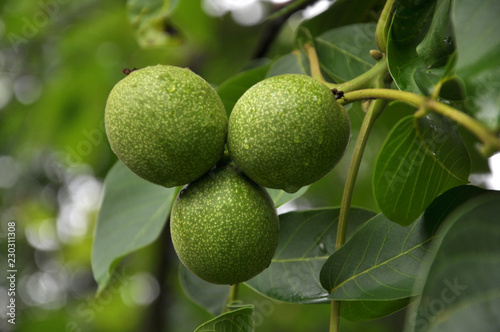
x: 307, y: 239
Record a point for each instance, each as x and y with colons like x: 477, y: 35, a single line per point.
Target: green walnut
x: 287, y: 131
x: 166, y: 124
x: 224, y: 227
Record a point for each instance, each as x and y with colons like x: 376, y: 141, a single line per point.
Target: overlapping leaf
x: 344, y: 53
x: 281, y: 197
x: 461, y: 291
x: 438, y: 43
x: 444, y: 204
x: 423, y: 25
x: 238, y: 320
x: 132, y: 215
x: 381, y: 261
x: 293, y: 63
x: 420, y: 159
x: 307, y: 238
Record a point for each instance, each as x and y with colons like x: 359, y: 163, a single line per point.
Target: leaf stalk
x: 233, y: 295
x: 374, y: 110
x: 383, y: 24
x: 362, y: 81
x: 491, y: 142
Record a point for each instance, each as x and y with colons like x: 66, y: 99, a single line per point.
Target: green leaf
x: 445, y: 203
x: 381, y: 261
x: 232, y: 89
x: 438, y: 44
x: 307, y: 238
x: 132, y: 215
x: 368, y: 310
x: 461, y: 291
x: 423, y: 231
x: 210, y: 297
x: 344, y: 53
x: 239, y: 320
x: 151, y: 23
x: 292, y: 63
x: 452, y: 88
x: 281, y: 197
x: 410, y: 28
x: 420, y: 159
x: 478, y: 64
x: 476, y: 33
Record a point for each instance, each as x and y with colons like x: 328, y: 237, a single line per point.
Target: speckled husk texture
x: 287, y: 131
x: 224, y: 227
x: 166, y: 124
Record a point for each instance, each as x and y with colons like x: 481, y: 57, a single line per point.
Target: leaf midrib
x: 401, y: 254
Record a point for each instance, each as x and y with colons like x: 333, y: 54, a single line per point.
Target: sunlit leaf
x: 281, y: 197
x: 461, y: 290
x: 307, y: 238
x: 420, y: 159
x: 238, y: 320
x: 132, y: 215
x: 210, y: 297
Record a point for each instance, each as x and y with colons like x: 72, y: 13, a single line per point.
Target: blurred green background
x: 58, y: 61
